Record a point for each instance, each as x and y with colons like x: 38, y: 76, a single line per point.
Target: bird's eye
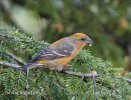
x: 83, y: 39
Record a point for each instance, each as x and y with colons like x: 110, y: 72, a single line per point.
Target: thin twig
x: 128, y: 80
x: 27, y: 83
x: 95, y: 88
x: 19, y: 60
x: 10, y: 65
x: 4, y: 34
x: 79, y: 74
x: 19, y: 78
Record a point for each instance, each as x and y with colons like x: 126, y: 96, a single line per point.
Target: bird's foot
x: 65, y: 68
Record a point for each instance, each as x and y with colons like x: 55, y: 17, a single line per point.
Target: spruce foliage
x: 51, y: 85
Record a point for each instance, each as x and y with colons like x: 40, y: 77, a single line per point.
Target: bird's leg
x: 65, y: 68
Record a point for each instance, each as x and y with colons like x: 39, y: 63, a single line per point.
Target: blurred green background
x: 107, y: 22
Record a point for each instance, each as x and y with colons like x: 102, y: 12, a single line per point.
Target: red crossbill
x: 60, y: 53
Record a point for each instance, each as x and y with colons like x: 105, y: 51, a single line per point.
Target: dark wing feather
x: 54, y: 53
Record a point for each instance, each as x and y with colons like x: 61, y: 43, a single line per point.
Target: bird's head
x: 81, y: 38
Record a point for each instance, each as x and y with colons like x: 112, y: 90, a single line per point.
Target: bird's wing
x: 64, y: 50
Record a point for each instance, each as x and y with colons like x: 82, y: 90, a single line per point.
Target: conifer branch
x: 128, y: 80
x: 72, y: 73
x: 17, y: 59
x: 6, y: 35
x: 77, y: 74
x: 10, y: 65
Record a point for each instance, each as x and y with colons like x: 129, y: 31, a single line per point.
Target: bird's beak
x: 89, y: 41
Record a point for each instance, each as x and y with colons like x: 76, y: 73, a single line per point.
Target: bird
x: 58, y: 54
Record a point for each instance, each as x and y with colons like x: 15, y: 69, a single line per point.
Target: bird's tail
x: 32, y: 65
x: 29, y: 65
